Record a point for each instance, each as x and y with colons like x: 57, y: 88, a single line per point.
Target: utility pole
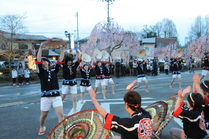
x: 77, y: 31
x: 108, y: 9
x: 68, y: 35
x: 108, y: 14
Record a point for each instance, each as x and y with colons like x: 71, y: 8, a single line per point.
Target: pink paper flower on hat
x: 49, y: 39
x: 77, y: 50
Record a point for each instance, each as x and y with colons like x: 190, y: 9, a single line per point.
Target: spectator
x: 27, y: 75
x: 155, y: 66
x: 171, y: 64
x: 149, y: 67
x: 131, y: 68
x: 191, y: 64
x: 20, y: 72
x: 134, y: 68
x: 14, y: 76
x: 166, y: 66
x: 123, y: 69
x: 205, y: 69
x: 113, y: 66
x: 144, y: 65
x: 118, y: 68
x: 182, y: 65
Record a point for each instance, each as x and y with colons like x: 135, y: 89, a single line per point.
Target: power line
x: 56, y: 32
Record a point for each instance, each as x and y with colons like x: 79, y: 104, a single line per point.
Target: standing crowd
x: 149, y: 66
x: 21, y: 74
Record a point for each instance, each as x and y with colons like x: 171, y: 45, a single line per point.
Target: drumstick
x: 130, y: 86
x: 92, y: 115
x: 112, y: 134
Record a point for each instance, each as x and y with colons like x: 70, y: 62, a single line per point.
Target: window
x: 160, y: 44
x: 2, y: 46
x: 23, y: 46
x: 36, y: 45
x: 146, y: 48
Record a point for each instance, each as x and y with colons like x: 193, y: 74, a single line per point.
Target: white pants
x: 99, y: 82
x: 47, y: 102
x: 106, y: 81
x: 205, y: 72
x: 84, y: 88
x: 176, y: 75
x: 140, y: 79
x: 66, y: 88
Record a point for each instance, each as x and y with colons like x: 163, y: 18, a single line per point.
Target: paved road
x: 19, y: 106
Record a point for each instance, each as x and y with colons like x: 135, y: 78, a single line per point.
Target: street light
x: 68, y: 36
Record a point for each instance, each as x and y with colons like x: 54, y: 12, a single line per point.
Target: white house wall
x: 149, y: 50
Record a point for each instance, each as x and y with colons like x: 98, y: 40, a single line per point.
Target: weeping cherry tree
x: 112, y: 37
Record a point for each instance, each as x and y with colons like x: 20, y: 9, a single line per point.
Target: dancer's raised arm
x: 39, y: 55
x: 62, y: 53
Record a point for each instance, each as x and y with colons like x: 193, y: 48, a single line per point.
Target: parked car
x: 52, y: 63
x: 7, y: 65
x: 2, y: 65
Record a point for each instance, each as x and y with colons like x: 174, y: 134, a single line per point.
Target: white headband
x: 204, y: 84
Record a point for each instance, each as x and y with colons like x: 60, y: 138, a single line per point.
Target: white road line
x: 106, y: 105
x: 78, y: 108
x: 12, y: 104
x: 118, y: 99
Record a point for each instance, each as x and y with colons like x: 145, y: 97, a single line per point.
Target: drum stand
x: 176, y: 121
x: 155, y: 135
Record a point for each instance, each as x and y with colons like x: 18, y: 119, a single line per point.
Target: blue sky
x: 51, y: 17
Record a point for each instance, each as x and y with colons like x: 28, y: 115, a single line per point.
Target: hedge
x: 4, y: 70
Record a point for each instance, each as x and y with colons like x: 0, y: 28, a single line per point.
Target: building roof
x: 52, y: 53
x: 84, y: 39
x: 49, y: 53
x: 23, y: 36
x: 148, y: 40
